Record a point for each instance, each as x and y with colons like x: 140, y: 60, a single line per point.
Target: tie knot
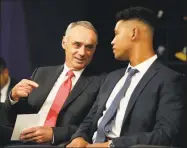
x: 70, y: 74
x: 132, y: 71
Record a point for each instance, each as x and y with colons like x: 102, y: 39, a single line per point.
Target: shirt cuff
x: 12, y: 102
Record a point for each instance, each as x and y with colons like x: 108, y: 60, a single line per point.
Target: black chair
x: 151, y: 146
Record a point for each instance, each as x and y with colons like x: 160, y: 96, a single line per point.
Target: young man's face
x: 122, y: 41
x: 79, y: 45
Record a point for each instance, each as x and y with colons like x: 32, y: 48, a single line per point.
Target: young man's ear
x: 134, y: 33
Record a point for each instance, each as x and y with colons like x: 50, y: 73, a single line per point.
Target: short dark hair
x: 143, y: 14
x: 2, y: 64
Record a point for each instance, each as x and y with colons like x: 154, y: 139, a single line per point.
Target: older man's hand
x: 39, y: 134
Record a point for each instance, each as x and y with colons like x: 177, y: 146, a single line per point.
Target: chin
x: 120, y: 58
x: 80, y: 66
x: 117, y: 57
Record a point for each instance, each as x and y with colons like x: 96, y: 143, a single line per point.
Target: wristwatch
x: 110, y: 144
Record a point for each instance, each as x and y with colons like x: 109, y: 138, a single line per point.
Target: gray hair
x: 85, y: 24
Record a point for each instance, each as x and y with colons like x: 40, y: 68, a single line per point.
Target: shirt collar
x: 142, y: 67
x: 76, y: 73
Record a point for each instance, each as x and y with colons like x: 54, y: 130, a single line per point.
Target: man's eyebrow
x: 77, y: 42
x: 90, y: 45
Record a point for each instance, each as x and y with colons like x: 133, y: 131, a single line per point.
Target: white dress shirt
x: 4, y: 91
x: 116, y: 124
x: 48, y: 102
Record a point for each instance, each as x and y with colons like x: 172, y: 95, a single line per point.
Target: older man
x: 63, y: 94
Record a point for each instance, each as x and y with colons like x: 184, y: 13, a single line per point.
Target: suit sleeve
x: 85, y: 129
x: 5, y: 135
x: 86, y: 126
x: 21, y: 107
x: 63, y: 133
x: 169, y: 118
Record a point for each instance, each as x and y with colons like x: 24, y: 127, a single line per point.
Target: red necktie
x: 59, y: 100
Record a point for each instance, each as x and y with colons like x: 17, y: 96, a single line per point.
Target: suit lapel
x: 151, y: 72
x: 106, y: 90
x: 85, y: 79
x: 79, y: 87
x: 109, y: 85
x: 51, y: 79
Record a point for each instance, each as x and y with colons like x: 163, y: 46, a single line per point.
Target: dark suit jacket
x: 5, y: 134
x: 73, y: 111
x: 154, y: 113
x: 3, y: 117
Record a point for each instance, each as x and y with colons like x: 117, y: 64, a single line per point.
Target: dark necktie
x: 101, y: 136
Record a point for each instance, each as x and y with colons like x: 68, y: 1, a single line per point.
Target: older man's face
x: 79, y: 45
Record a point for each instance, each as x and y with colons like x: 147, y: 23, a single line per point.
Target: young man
x: 140, y: 104
x: 63, y: 94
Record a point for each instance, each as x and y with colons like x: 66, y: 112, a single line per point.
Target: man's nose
x: 82, y: 51
x: 112, y: 42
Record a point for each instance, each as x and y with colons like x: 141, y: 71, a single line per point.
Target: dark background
x: 46, y: 20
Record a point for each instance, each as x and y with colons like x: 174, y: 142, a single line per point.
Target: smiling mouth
x: 79, y: 60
